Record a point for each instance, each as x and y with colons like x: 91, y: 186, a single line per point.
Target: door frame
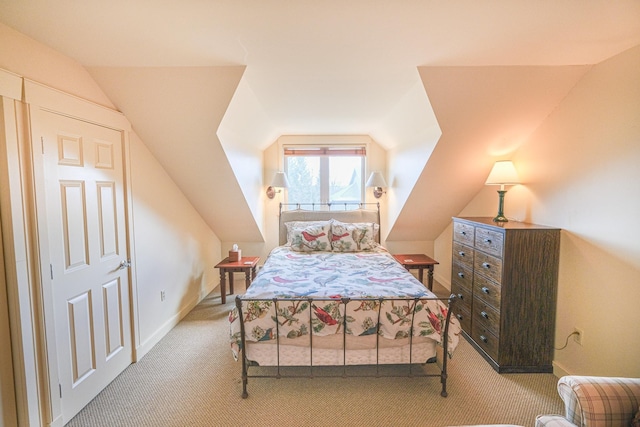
x: 30, y: 300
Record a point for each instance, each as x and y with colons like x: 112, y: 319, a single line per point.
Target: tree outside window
x: 325, y: 175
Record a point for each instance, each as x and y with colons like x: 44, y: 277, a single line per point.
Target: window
x: 325, y: 174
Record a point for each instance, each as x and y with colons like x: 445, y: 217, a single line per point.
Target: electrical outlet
x: 578, y: 335
x: 162, y: 295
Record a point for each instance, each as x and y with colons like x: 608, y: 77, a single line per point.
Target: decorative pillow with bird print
x: 293, y: 225
x: 311, y: 238
x: 352, y: 237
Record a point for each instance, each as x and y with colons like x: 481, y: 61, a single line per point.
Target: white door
x: 87, y: 241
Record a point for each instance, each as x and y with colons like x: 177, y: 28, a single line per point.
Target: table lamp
x: 503, y: 173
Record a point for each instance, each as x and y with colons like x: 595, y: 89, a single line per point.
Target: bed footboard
x: 279, y: 318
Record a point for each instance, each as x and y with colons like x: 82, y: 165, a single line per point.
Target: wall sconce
x: 503, y: 173
x: 279, y: 181
x: 376, y: 180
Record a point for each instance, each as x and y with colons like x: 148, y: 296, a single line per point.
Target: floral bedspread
x: 332, y: 276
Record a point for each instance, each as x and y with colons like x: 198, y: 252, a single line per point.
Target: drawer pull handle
x: 460, y: 296
x: 484, y: 314
x: 483, y: 339
x: 461, y: 253
x: 459, y: 316
x: 464, y: 233
x: 485, y: 290
x: 486, y: 265
x: 461, y: 275
x: 487, y: 241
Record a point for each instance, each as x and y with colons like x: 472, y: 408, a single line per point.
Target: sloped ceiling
x: 492, y: 71
x: 176, y: 111
x: 484, y: 113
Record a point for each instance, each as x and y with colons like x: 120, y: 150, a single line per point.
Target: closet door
x: 86, y: 221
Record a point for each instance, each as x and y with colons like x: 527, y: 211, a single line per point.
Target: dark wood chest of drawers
x: 506, y: 279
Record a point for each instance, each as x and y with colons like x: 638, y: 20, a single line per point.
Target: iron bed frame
x: 324, y: 211
x: 246, y: 363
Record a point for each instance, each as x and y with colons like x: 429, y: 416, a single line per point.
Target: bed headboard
x: 365, y: 212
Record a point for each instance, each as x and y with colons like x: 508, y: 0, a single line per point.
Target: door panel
x: 108, y: 226
x: 82, y: 338
x: 86, y: 224
x: 113, y: 317
x: 74, y: 224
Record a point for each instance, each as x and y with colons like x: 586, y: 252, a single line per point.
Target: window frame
x: 325, y: 153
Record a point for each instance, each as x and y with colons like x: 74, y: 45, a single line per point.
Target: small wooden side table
x: 419, y: 261
x: 246, y: 265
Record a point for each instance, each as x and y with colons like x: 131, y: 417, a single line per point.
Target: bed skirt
x: 327, y: 351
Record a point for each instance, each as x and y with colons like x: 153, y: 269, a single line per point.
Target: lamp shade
x: 280, y: 180
x: 376, y: 180
x: 503, y: 173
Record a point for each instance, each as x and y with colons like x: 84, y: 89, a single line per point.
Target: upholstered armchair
x: 596, y: 402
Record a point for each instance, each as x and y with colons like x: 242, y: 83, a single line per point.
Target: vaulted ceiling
x: 490, y: 71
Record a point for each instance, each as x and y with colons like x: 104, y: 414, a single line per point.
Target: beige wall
x: 274, y: 161
x: 580, y: 172
x: 172, y: 248
x: 40, y: 63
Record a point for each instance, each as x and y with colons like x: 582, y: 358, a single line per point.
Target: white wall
x: 40, y: 63
x: 411, y: 131
x: 273, y: 162
x: 580, y: 172
x: 174, y: 250
x: 243, y: 145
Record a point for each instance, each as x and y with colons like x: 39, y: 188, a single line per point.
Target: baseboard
x: 163, y: 330
x: 559, y: 370
x: 443, y: 280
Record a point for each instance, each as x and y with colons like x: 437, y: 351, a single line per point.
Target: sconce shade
x: 503, y: 173
x: 279, y: 181
x: 376, y: 180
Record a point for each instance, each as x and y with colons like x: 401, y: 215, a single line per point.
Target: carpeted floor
x: 191, y: 379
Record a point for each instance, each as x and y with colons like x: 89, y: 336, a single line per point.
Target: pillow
x: 291, y: 225
x: 353, y: 237
x: 311, y: 238
x: 635, y: 422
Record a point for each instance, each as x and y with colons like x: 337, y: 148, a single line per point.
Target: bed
x: 331, y: 296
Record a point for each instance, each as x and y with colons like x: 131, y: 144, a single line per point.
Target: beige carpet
x: 190, y: 379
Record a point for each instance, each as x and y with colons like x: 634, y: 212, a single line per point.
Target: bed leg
x: 443, y: 380
x: 244, y: 389
x: 245, y: 378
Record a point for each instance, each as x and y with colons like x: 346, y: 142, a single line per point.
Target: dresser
x: 506, y: 279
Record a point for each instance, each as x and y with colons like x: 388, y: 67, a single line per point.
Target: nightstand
x: 419, y: 261
x: 246, y: 265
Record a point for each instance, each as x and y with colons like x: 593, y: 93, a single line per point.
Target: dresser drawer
x: 488, y: 266
x: 487, y: 291
x: 463, y: 316
x: 489, y: 241
x: 461, y: 275
x: 485, y: 339
x: 463, y: 233
x: 463, y: 255
x: 464, y: 295
x: 487, y: 316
